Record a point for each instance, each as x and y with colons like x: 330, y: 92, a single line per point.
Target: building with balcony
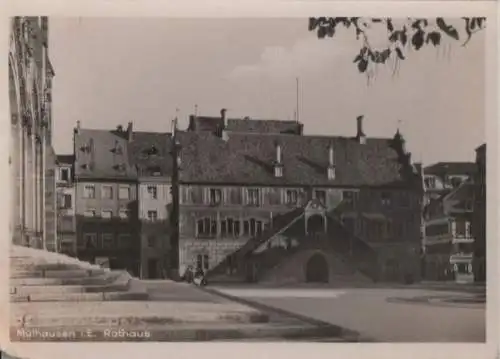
x: 31, y: 158
x: 106, y: 199
x: 66, y: 217
x: 479, y: 216
x: 449, y: 240
x: 150, y: 154
x: 443, y: 177
x: 258, y: 199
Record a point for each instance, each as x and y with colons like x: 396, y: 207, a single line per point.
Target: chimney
x: 222, y: 130
x: 129, y: 131
x: 174, y: 127
x: 331, y: 163
x: 77, y: 129
x: 278, y: 164
x: 360, y: 135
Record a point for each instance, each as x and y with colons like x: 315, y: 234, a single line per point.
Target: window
x: 89, y: 213
x: 291, y: 196
x: 320, y: 195
x: 65, y: 174
x: 107, y: 241
x: 274, y: 196
x: 253, y: 227
x: 385, y: 198
x: 230, y: 227
x: 124, y: 213
x: 153, y: 192
x: 151, y: 241
x: 253, y: 197
x: 106, y: 213
x: 202, y: 261
x: 66, y: 201
x: 124, y: 192
x: 90, y: 240
x: 461, y: 229
x: 215, y: 196
x: 235, y: 196
x: 89, y: 191
x: 206, y: 227
x: 152, y: 215
x: 107, y: 192
x: 350, y: 197
x: 430, y: 182
x: 455, y: 181
x: 124, y: 240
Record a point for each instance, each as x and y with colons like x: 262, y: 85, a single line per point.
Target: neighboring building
x: 443, y: 177
x: 106, y: 207
x: 448, y: 238
x: 249, y: 186
x: 66, y: 228
x: 479, y: 217
x: 31, y: 158
x: 150, y: 153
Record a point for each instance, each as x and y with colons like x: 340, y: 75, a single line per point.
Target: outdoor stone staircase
x: 41, y: 276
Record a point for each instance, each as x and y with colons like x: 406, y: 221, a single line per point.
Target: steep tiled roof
x: 150, y: 153
x: 102, y: 154
x: 451, y: 168
x: 264, y: 126
x: 249, y: 157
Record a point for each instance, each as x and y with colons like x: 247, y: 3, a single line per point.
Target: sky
x: 110, y: 71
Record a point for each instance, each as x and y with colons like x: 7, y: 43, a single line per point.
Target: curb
x: 324, y: 329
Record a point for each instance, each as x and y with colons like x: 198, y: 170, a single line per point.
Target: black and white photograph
x: 248, y: 179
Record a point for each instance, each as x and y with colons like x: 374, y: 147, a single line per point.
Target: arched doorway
x: 316, y: 224
x: 317, y: 269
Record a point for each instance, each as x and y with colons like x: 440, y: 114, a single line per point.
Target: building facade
x: 32, y: 159
x: 449, y: 240
x: 66, y: 216
x: 243, y: 183
x: 479, y: 218
x: 150, y: 154
x: 106, y: 203
x: 443, y: 177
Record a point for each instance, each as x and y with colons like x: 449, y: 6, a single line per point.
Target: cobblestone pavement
x: 382, y: 314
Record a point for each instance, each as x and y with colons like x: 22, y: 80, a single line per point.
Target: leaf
x: 330, y: 30
x: 418, y: 39
x: 362, y: 65
x: 357, y: 58
x: 434, y: 37
x: 473, y: 23
x: 313, y: 23
x: 321, y: 32
x: 394, y: 36
x: 448, y: 30
x: 390, y: 27
x: 376, y: 20
x: 400, y: 53
x: 404, y: 37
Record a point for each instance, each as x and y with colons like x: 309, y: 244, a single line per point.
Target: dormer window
x: 117, y: 150
x: 215, y: 196
x: 331, y: 163
x: 278, y: 164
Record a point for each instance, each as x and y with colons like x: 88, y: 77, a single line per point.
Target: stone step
x: 17, y: 274
x: 133, y: 313
x: 118, y: 285
x: 80, y: 297
x: 103, y: 279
